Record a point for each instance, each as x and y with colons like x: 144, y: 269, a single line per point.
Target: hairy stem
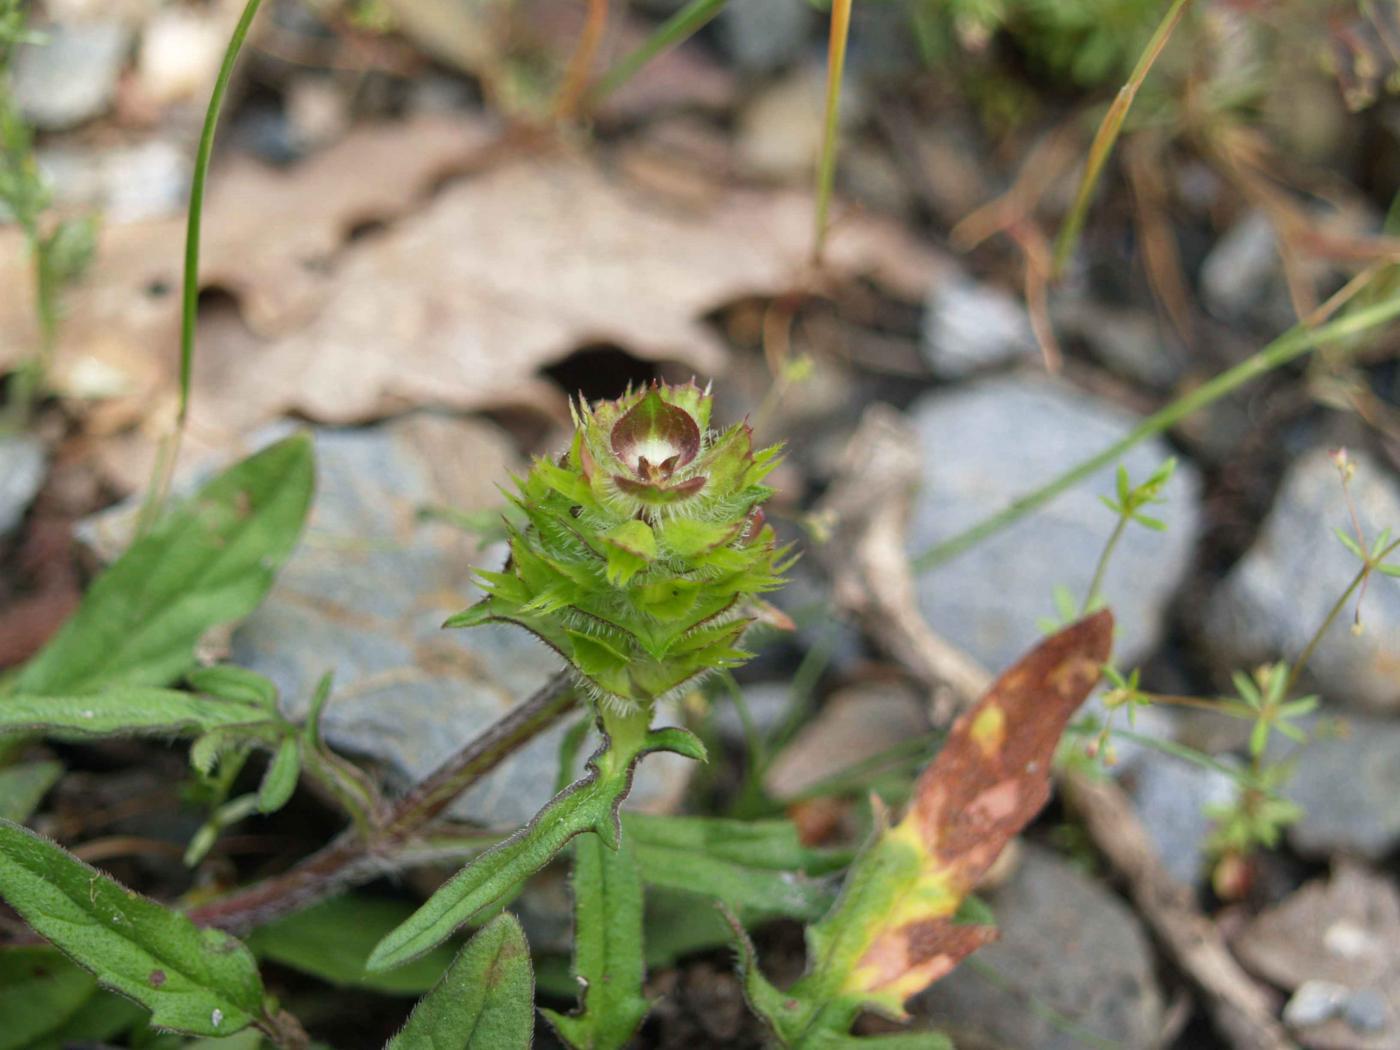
x: 352, y: 859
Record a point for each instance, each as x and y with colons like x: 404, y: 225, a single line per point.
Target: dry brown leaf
x: 458, y: 305
x: 269, y: 236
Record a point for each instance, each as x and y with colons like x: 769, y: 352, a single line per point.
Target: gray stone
x: 22, y: 470
x: 1072, y: 959
x: 1171, y: 796
x: 1129, y: 342
x: 1315, y: 1002
x: 1365, y: 1011
x: 1336, y: 944
x: 764, y: 35
x: 856, y: 724
x: 71, y: 76
x: 1270, y: 604
x: 147, y: 180
x: 995, y: 440
x: 1349, y: 789
x: 969, y: 327
x: 1242, y: 277
x: 365, y: 596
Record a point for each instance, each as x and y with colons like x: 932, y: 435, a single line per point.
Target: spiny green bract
x: 645, y: 548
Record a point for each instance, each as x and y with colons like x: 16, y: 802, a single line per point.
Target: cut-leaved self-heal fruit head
x: 643, y: 552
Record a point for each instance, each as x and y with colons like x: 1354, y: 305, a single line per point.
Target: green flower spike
x: 645, y: 549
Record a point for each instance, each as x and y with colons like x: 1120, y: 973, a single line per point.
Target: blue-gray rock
x: 994, y: 440
x: 764, y: 35
x: 71, y: 76
x: 969, y: 327
x: 1072, y: 958
x: 1349, y: 789
x: 1365, y: 1011
x: 22, y: 469
x: 1171, y: 795
x: 1315, y: 1002
x: 1274, y: 599
x: 1242, y: 277
x: 1336, y: 944
x: 364, y: 597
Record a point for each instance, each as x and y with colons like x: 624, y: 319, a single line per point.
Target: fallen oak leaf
x: 503, y: 273
x: 904, y: 920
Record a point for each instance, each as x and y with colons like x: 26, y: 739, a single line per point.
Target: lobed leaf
x: 198, y: 981
x: 208, y: 563
x: 485, y: 1000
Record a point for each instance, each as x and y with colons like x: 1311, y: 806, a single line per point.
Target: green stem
x: 826, y: 165
x: 1292, y: 344
x: 1341, y: 603
x: 189, y: 302
x: 684, y: 24
x: 1102, y: 568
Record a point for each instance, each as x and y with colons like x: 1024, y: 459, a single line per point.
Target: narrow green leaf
x: 208, y: 563
x: 280, y: 780
x: 591, y: 804
x: 750, y: 865
x: 23, y: 787
x: 1349, y: 543
x: 202, y: 982
x: 485, y: 1001
x: 125, y: 711
x: 234, y: 683
x: 332, y: 940
x: 607, y: 948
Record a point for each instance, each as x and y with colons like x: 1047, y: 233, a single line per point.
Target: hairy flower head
x: 645, y: 549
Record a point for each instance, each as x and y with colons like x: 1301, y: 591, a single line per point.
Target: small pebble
x: 1315, y: 1002
x: 1365, y: 1011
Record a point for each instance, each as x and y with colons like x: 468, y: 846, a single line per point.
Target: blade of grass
x: 571, y: 90
x: 826, y: 165
x: 189, y: 303
x: 680, y: 27
x: 1108, y: 132
x: 1292, y: 344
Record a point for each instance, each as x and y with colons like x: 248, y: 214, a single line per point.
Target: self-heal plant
x: 642, y: 559
x: 646, y: 549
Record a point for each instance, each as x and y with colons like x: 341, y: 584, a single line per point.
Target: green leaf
x: 47, y: 1003
x: 39, y: 992
x: 332, y: 940
x: 591, y: 804
x: 202, y: 982
x: 23, y: 787
x: 485, y: 1001
x: 607, y: 948
x: 125, y: 711
x: 1349, y: 543
x: 280, y: 780
x: 208, y: 563
x: 234, y: 683
x: 752, y: 865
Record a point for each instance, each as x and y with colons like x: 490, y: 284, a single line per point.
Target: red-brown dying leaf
x: 987, y: 783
